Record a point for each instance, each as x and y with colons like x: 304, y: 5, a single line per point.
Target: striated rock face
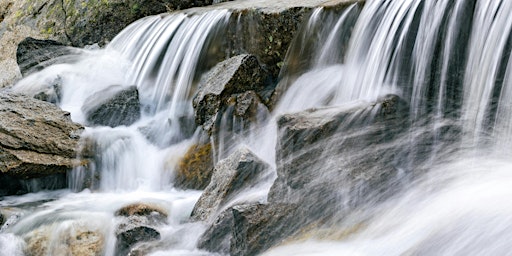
x: 231, y: 175
x: 36, y: 138
x: 113, y: 106
x: 235, y: 75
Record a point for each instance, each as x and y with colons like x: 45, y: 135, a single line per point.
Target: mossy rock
x: 140, y: 209
x: 195, y: 168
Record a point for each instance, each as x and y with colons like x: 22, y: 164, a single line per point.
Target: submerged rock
x: 195, y: 168
x: 75, y: 239
x: 37, y: 139
x: 114, y: 106
x: 236, y: 75
x: 231, y: 175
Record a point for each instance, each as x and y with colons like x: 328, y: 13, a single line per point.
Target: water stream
x: 449, y: 60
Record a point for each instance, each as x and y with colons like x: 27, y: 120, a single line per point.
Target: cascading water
x: 449, y: 60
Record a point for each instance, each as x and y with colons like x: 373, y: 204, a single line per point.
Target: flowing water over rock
x: 388, y: 133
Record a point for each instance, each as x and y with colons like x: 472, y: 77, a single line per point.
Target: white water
x: 459, y: 208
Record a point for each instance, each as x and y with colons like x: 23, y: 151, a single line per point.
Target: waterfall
x: 450, y: 63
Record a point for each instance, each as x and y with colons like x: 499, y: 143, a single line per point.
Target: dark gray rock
x: 2, y: 220
x: 114, y: 106
x: 217, y: 238
x: 332, y: 155
x: 37, y: 139
x: 250, y: 229
x: 33, y: 55
x: 138, y: 224
x: 235, y: 75
x: 258, y: 227
x: 231, y: 175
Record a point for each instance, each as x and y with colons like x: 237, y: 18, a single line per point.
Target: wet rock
x: 217, y: 238
x: 33, y: 54
x: 339, y: 153
x: 235, y: 75
x: 153, y: 213
x: 138, y: 224
x: 130, y: 237
x: 74, y: 239
x: 2, y: 220
x: 257, y: 227
x: 231, y: 175
x: 195, y: 168
x: 36, y: 138
x: 272, y: 26
x: 113, y: 106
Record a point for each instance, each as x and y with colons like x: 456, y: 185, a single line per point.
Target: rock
x: 2, y: 220
x: 130, y: 237
x: 36, y: 138
x: 272, y: 26
x: 238, y: 171
x: 320, y: 155
x: 113, y: 106
x: 138, y: 224
x: 257, y: 227
x: 217, y: 238
x: 195, y: 168
x: 235, y: 75
x: 152, y: 212
x: 75, y: 239
x: 33, y: 55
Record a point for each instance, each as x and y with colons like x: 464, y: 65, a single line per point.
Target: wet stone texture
x: 38, y: 141
x: 138, y: 223
x: 114, y: 106
x: 338, y: 153
x: 237, y: 172
x: 236, y: 75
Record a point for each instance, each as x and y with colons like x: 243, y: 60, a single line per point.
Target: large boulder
x: 114, y: 106
x: 235, y: 75
x: 239, y: 171
x: 33, y: 55
x: 37, y: 139
x: 338, y: 153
